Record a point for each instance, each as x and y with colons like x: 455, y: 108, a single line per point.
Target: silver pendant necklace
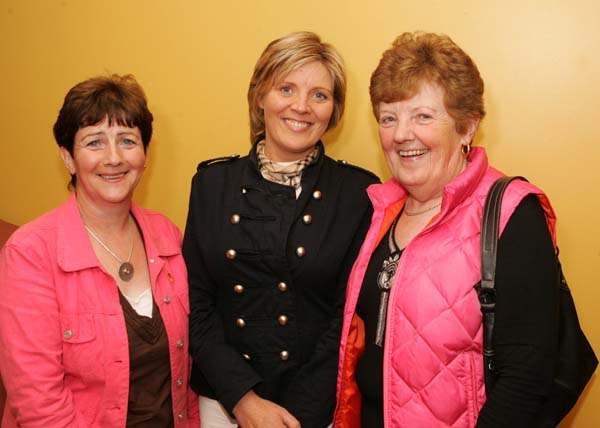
x: 384, y: 282
x: 126, y: 268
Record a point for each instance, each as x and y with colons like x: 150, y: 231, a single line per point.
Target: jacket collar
x: 454, y: 193
x: 309, y: 168
x: 74, y: 249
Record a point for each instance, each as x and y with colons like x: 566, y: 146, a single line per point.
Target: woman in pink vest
x: 94, y: 308
x: 411, y: 353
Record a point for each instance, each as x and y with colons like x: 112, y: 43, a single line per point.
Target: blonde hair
x: 280, y: 58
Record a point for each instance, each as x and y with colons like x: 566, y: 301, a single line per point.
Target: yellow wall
x: 539, y: 60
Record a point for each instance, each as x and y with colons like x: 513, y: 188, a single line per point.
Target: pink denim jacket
x: 64, y: 354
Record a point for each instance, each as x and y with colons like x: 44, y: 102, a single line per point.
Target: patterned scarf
x: 287, y: 173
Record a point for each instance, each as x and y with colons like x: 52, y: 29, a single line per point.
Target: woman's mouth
x: 297, y: 124
x: 412, y: 153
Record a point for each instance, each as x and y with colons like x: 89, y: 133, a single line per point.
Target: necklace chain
x: 126, y: 269
x: 421, y: 211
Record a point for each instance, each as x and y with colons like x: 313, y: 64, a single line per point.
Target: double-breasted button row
x: 231, y: 254
x: 239, y: 288
x: 281, y: 319
x: 283, y: 356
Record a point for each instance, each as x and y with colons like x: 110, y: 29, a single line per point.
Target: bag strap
x: 490, y: 225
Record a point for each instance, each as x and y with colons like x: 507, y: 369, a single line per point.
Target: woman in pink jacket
x: 94, y: 308
x: 411, y: 354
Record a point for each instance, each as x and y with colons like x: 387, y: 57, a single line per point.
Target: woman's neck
x: 107, y: 219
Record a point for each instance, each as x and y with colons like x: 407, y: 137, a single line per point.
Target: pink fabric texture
x: 433, y: 366
x: 63, y: 343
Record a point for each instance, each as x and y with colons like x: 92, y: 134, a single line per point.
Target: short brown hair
x: 419, y: 57
x: 280, y: 58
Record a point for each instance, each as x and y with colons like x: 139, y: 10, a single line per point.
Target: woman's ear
x: 472, y: 125
x: 68, y: 160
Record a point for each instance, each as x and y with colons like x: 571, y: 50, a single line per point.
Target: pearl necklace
x: 126, y: 270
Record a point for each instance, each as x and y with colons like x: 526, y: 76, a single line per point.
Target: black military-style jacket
x: 267, y: 276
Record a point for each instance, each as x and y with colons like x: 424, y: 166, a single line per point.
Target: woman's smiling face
x: 420, y: 142
x: 297, y: 111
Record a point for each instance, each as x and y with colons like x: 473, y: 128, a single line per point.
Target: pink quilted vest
x: 433, y: 367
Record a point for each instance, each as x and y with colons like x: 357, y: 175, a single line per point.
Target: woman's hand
x: 253, y: 411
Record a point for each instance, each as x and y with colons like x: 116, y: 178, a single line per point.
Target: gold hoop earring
x: 466, y: 149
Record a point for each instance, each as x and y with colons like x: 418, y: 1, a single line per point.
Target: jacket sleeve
x: 31, y: 342
x: 221, y: 365
x: 526, y: 330
x: 311, y: 396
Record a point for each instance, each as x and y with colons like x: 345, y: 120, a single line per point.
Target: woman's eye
x: 285, y: 90
x: 128, y: 142
x: 321, y: 96
x: 386, y: 120
x: 424, y: 116
x: 94, y: 144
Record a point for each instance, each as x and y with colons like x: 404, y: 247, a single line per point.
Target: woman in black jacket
x: 269, y: 243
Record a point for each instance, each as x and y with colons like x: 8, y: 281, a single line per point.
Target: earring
x: 466, y: 149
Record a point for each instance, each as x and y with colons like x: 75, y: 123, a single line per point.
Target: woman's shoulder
x: 354, y: 172
x: 156, y: 219
x: 40, y: 229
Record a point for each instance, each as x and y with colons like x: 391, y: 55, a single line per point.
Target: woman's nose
x: 113, y: 154
x: 301, y: 104
x: 404, y: 131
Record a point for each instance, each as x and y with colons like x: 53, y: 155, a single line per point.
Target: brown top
x: 150, y: 404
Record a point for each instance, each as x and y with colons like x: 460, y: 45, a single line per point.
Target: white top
x: 142, y: 304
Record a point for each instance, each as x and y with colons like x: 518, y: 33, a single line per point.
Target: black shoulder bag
x: 576, y: 359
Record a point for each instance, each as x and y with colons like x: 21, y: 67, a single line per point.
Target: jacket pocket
x: 81, y: 348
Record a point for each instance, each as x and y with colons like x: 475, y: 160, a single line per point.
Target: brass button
x: 179, y: 382
x: 231, y: 254
x: 300, y: 251
x: 180, y: 416
x: 238, y: 288
x: 284, y: 355
x: 180, y: 343
x: 240, y: 322
x: 282, y: 286
x: 234, y: 219
x: 307, y: 219
x: 68, y: 334
x: 167, y: 299
x: 246, y: 357
x: 282, y: 320
x: 317, y: 194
